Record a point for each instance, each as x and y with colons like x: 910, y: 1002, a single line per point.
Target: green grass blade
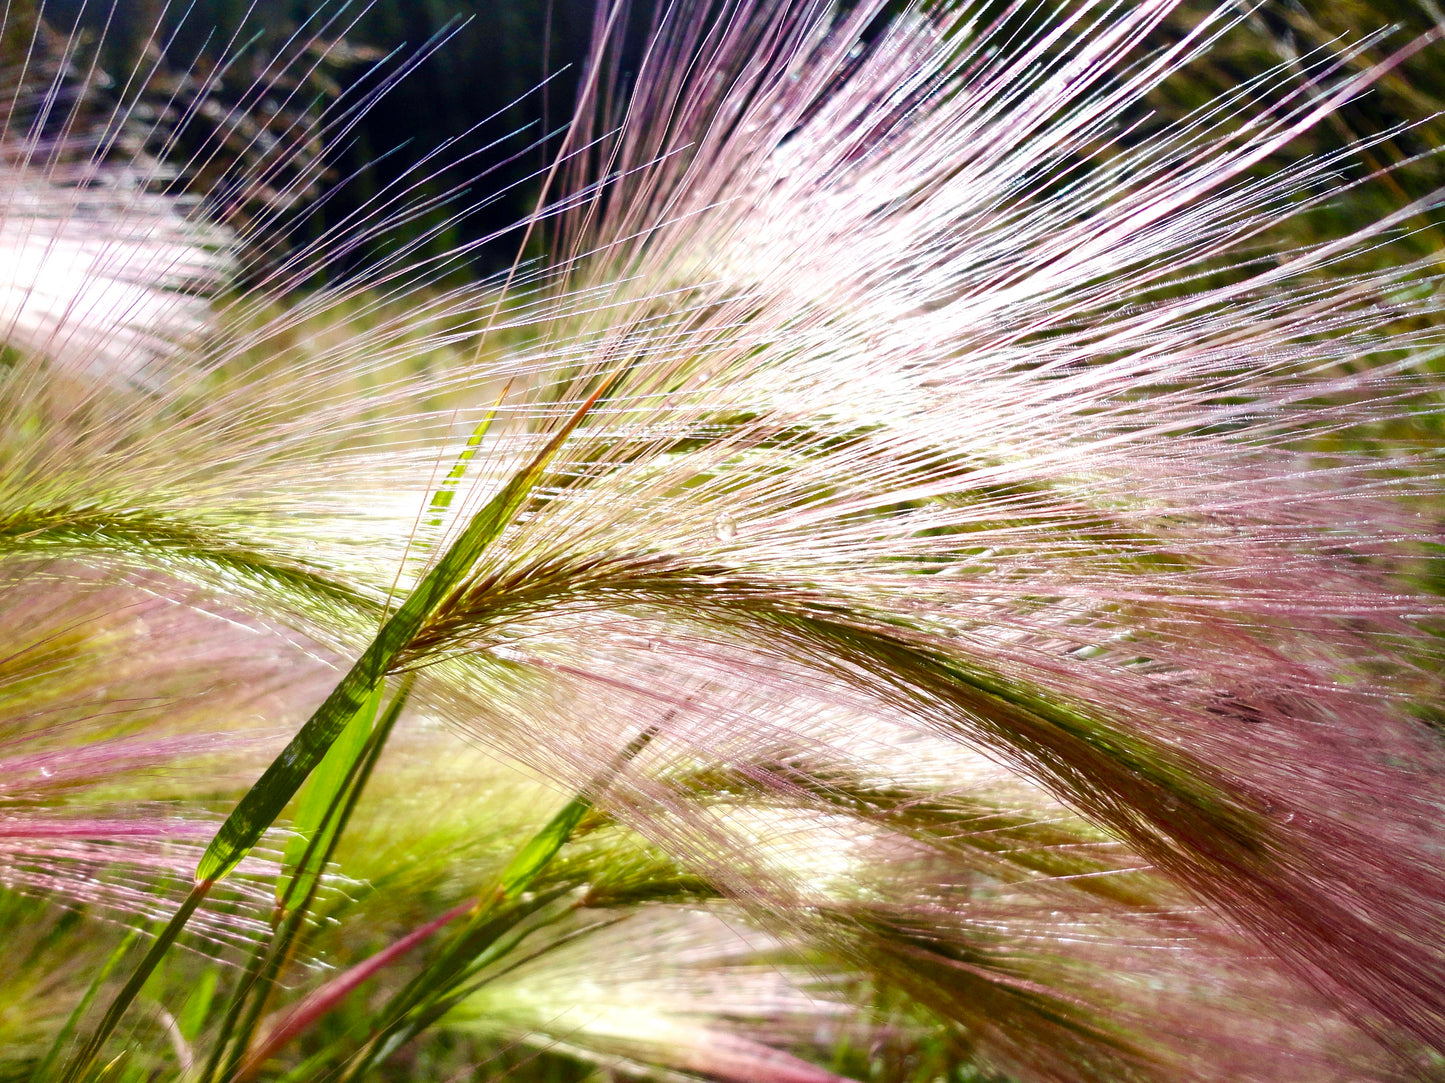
x: 324, y: 1000
x: 254, y: 991
x: 538, y: 851
x: 442, y: 498
x: 137, y: 979
x: 52, y: 1055
x: 323, y: 791
x: 488, y: 932
x: 499, y: 940
x: 411, y: 1010
x: 192, y: 1019
x: 263, y: 803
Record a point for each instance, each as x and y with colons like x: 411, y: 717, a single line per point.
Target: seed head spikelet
x: 910, y: 442
x: 1006, y: 393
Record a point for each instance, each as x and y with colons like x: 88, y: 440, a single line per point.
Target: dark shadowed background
x: 487, y: 61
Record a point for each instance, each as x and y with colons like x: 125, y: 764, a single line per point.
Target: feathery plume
x: 901, y: 402
x: 909, y: 444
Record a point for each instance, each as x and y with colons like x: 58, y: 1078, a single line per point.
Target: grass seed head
x: 903, y: 405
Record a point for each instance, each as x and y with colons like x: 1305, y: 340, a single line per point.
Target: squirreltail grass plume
x: 968, y: 566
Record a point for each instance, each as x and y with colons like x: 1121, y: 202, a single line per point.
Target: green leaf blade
x: 320, y: 793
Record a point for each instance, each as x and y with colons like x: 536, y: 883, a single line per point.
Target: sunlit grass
x: 925, y: 585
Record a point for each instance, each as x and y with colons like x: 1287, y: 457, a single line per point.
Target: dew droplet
x: 725, y: 527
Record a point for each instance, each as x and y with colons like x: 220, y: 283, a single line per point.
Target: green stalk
x: 138, y: 978
x: 267, y: 963
x: 52, y: 1055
